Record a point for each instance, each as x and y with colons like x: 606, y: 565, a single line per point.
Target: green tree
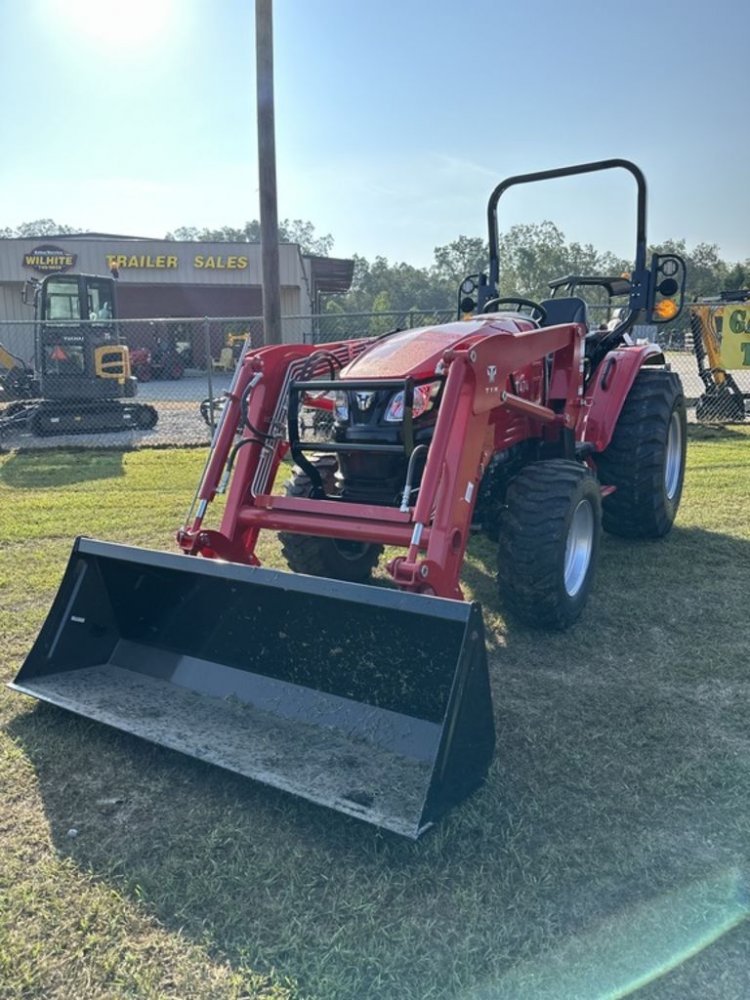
x: 407, y: 287
x: 302, y: 232
x: 737, y: 277
x: 530, y: 255
x: 464, y: 256
x: 40, y: 227
x: 290, y: 231
x: 382, y: 305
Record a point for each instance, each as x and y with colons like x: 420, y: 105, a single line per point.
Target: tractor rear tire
x: 549, y: 538
x: 337, y: 558
x: 645, y: 459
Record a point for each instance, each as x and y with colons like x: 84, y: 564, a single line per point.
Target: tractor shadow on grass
x: 52, y: 468
x: 617, y: 801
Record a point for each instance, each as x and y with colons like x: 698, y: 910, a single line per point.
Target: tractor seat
x: 568, y: 310
x: 572, y: 310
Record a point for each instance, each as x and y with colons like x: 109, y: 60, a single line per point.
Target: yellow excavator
x: 81, y: 379
x: 721, y: 342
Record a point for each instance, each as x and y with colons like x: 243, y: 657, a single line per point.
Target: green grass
x: 609, y: 846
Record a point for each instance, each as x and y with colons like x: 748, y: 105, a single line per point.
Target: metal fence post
x: 209, y: 371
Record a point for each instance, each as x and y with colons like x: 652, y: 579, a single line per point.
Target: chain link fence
x: 179, y: 363
x: 720, y: 332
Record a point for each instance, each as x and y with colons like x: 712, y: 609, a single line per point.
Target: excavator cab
x: 76, y: 339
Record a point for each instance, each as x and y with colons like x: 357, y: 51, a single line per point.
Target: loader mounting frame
x: 435, y: 530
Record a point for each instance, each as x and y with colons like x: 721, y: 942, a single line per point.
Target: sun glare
x: 111, y: 26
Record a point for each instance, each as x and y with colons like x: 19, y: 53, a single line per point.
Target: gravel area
x: 180, y: 422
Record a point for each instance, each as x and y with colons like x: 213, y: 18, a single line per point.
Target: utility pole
x: 269, y: 221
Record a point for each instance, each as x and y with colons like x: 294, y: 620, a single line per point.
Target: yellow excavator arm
x: 8, y: 361
x: 703, y: 321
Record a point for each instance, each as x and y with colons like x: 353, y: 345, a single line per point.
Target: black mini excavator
x: 82, y: 379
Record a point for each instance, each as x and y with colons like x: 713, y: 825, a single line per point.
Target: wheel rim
x: 579, y: 547
x: 673, y: 464
x: 349, y: 550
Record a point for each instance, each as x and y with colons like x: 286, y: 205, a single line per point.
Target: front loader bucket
x: 371, y: 701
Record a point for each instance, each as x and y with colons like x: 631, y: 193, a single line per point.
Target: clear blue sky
x: 394, y: 118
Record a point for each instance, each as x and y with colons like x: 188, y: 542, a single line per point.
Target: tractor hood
x: 417, y: 352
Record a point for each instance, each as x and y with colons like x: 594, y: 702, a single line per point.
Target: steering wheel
x: 538, y: 312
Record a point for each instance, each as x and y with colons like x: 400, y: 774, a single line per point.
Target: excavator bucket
x: 371, y: 701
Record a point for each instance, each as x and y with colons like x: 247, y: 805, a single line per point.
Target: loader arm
x: 706, y: 342
x: 249, y: 441
x: 435, y: 530
x: 463, y: 444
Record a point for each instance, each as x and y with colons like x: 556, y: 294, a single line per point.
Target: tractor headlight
x: 341, y: 406
x: 424, y: 399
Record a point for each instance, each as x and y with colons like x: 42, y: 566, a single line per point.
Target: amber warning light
x: 666, y: 309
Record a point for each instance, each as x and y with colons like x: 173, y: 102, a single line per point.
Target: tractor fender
x: 608, y: 389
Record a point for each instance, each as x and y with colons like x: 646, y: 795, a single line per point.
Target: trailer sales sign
x: 46, y: 258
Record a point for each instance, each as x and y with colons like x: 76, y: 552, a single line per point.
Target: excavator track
x: 51, y: 417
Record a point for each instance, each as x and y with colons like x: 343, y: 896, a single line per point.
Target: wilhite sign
x: 47, y: 257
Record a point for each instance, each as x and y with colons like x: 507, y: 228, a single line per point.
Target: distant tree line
x: 530, y: 256
x: 290, y: 231
x: 39, y: 227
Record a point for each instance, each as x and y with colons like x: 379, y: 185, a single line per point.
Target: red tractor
x: 521, y: 421
x: 161, y: 362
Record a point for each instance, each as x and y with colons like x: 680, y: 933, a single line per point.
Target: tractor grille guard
x: 297, y: 447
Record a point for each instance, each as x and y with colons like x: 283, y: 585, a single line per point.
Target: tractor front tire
x: 337, y: 558
x: 549, y: 538
x: 645, y: 460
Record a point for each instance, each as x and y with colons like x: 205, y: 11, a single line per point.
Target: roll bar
x: 640, y: 273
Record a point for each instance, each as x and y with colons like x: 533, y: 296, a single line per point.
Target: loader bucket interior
x: 371, y: 701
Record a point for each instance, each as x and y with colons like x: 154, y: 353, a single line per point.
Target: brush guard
x: 298, y: 447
